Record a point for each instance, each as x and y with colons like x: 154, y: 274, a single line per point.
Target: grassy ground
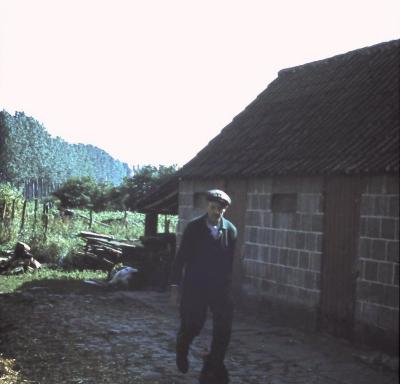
x: 12, y: 283
x: 9, y: 369
x: 8, y: 373
x: 60, y: 238
x: 60, y: 241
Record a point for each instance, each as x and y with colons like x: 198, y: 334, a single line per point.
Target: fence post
x: 166, y: 224
x: 90, y: 218
x: 35, y: 213
x: 45, y: 218
x: 13, y: 211
x: 23, y: 216
x: 3, y: 213
x: 126, y: 219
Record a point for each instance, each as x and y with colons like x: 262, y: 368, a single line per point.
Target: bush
x: 53, y: 250
x: 61, y: 236
x: 10, y: 203
x: 9, y: 193
x: 78, y: 192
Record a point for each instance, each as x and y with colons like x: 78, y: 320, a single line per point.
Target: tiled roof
x: 339, y: 115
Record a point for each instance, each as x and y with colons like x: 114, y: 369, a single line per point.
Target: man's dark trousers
x: 193, y: 311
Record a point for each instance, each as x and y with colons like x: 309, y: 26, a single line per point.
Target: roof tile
x: 338, y: 115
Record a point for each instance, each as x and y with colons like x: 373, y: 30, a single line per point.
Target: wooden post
x: 13, y: 211
x: 23, y: 216
x: 3, y: 213
x: 45, y: 218
x: 166, y: 224
x: 90, y: 218
x: 35, y: 213
x: 45, y: 208
x: 150, y: 224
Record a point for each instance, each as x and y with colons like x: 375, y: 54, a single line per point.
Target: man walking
x: 203, y: 271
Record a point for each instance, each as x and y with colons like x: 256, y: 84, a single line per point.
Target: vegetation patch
x: 48, y: 277
x: 8, y: 373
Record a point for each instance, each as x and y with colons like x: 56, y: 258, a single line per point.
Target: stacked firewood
x: 150, y: 256
x: 101, y: 251
x: 19, y: 260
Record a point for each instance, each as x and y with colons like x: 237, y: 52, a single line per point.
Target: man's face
x: 215, y: 211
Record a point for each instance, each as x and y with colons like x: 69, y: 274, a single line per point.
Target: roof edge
x: 347, y: 55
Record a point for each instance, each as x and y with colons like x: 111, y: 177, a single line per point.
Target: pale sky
x: 153, y: 81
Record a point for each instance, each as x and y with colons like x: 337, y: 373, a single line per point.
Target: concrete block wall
x: 377, y: 305
x: 283, y: 250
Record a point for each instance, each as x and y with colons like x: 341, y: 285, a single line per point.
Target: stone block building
x: 312, y: 166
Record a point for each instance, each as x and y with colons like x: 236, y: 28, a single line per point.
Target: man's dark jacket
x: 202, y: 263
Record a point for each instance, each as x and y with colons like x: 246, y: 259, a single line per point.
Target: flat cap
x: 219, y: 196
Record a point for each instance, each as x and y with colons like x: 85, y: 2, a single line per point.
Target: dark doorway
x: 338, y: 280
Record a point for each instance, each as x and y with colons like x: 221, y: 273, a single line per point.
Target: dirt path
x: 81, y: 334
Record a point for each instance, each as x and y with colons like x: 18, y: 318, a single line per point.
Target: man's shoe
x: 222, y: 375
x: 182, y: 361
x: 213, y: 375
x: 182, y: 350
x: 208, y: 377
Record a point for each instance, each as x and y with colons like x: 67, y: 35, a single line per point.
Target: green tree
x: 28, y: 152
x: 76, y: 192
x: 144, y: 180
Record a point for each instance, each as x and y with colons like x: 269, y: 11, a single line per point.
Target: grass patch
x: 47, y: 277
x: 8, y: 374
x: 60, y: 239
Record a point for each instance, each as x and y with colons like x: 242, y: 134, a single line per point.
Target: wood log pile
x: 19, y: 260
x: 101, y: 251
x: 151, y: 256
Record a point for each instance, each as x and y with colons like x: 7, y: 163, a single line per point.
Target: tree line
x: 30, y: 155
x: 86, y: 193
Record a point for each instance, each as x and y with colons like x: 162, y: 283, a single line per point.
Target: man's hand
x: 175, y: 295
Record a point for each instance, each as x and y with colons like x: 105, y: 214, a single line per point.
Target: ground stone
x: 101, y: 336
